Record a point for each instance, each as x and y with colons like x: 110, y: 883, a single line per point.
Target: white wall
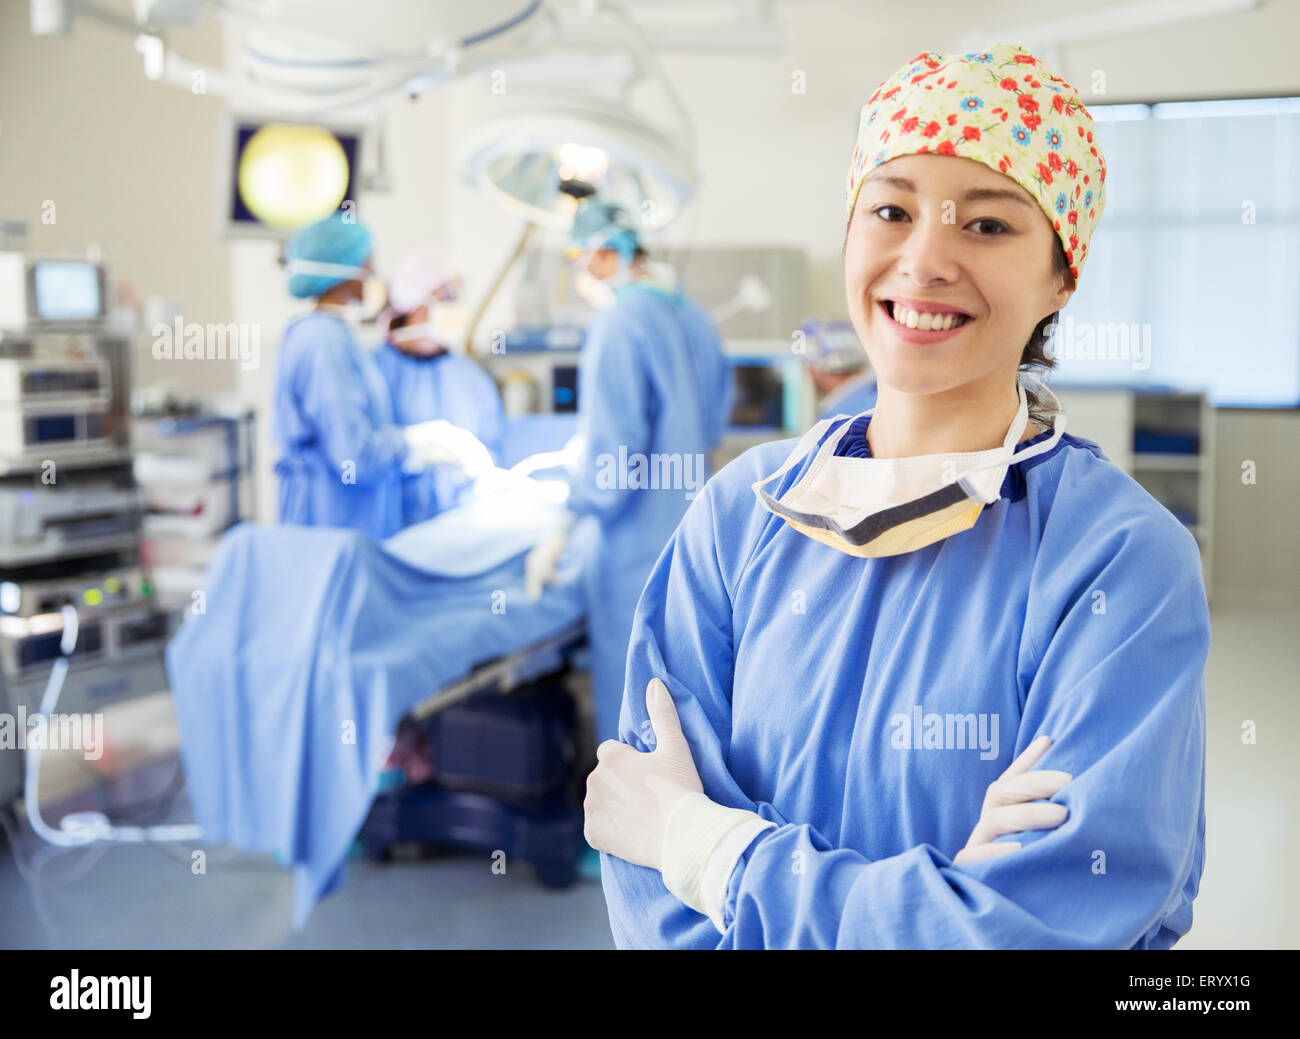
x: 129, y: 165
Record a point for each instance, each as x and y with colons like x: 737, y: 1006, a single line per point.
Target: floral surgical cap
x: 1002, y: 107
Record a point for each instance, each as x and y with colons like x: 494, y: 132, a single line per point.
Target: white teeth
x: 923, y: 321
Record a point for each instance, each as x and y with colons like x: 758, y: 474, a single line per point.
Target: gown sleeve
x: 334, y: 398
x: 683, y: 634
x: 1116, y: 679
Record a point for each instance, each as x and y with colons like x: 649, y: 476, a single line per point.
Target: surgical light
x: 290, y: 174
x: 525, y: 156
x: 584, y: 164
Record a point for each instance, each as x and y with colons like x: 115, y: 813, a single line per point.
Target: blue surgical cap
x: 603, y: 225
x: 833, y: 346
x: 332, y: 240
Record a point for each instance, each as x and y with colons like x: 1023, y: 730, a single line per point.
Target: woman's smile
x: 923, y: 326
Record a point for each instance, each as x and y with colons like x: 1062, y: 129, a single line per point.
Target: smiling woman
x: 939, y: 557
x: 995, y: 233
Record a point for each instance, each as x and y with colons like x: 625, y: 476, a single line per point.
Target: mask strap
x: 1015, y: 457
x: 806, y: 443
x: 1017, y: 428
x: 329, y: 270
x: 1059, y: 420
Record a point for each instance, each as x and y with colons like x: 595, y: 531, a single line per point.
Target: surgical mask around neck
x: 874, y: 507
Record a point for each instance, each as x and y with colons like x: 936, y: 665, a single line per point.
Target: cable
x: 79, y: 828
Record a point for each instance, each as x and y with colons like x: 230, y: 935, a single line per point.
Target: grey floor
x: 148, y: 897
x: 140, y: 896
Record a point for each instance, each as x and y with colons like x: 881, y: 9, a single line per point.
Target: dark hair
x: 1034, y: 357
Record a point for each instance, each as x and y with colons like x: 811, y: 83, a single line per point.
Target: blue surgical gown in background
x: 852, y: 397
x: 654, y: 393
x: 341, y: 453
x: 1074, y: 608
x: 449, y: 387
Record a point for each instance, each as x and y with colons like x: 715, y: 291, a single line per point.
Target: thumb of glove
x: 663, y: 717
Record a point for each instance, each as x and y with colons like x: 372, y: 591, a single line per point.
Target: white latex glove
x: 1010, y: 806
x: 631, y: 795
x: 438, y: 442
x: 424, y: 450
x: 541, y: 563
x: 651, y: 810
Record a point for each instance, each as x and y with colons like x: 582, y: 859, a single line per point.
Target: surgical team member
x: 845, y: 645
x: 837, y: 366
x: 429, y: 377
x: 342, y: 455
x: 341, y: 451
x: 653, y: 398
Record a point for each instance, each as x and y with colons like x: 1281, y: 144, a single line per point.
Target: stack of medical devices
x: 79, y: 625
x: 194, y: 467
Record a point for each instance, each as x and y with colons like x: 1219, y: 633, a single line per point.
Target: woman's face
x: 951, y: 232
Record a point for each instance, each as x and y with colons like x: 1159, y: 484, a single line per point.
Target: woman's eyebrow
x: 974, y: 195
x: 996, y: 194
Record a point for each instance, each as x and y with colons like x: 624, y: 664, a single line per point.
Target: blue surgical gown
x: 850, y: 398
x: 654, y: 396
x: 449, y: 387
x: 1074, y: 608
x: 341, y: 453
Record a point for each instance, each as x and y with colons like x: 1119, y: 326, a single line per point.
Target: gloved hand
x: 631, y: 795
x: 540, y: 565
x: 424, y: 449
x: 651, y: 810
x: 1009, y: 806
x: 438, y: 442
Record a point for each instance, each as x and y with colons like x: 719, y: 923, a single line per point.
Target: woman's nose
x: 928, y: 255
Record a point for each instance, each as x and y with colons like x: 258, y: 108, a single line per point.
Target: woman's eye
x: 989, y: 226
x: 884, y: 212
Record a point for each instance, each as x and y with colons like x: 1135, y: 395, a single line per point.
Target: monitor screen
x: 759, y: 388
x: 66, y: 290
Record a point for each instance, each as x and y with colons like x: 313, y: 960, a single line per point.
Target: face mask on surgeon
x: 875, y: 507
x: 446, y: 330
x: 596, y: 293
x: 600, y: 293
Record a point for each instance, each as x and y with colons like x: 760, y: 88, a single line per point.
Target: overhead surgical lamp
x: 536, y: 158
